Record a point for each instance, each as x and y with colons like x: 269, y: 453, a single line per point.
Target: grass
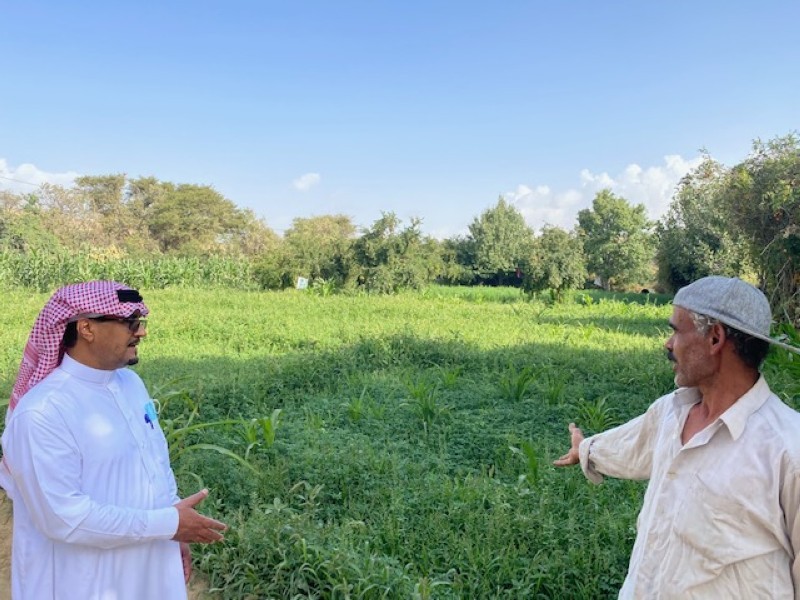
x: 411, y: 457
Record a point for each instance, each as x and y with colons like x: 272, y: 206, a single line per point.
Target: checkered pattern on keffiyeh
x: 43, y: 352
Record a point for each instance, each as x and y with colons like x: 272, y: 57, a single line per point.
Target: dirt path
x: 196, y: 589
x: 5, y: 547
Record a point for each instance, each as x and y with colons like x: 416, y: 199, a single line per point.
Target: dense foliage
x: 616, y: 240
x: 695, y: 238
x: 556, y: 263
x: 743, y: 220
x: 498, y: 243
x: 740, y: 221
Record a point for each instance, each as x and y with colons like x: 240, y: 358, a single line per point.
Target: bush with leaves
x: 557, y: 263
x: 695, y: 238
x: 388, y: 259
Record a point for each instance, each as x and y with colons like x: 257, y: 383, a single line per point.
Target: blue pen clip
x: 150, y: 415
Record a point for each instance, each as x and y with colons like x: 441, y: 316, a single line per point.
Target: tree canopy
x: 499, y: 240
x: 556, y: 263
x: 695, y: 238
x: 616, y: 240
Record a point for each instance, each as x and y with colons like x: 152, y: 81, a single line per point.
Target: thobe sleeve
x: 169, y: 474
x: 46, y: 467
x: 625, y: 452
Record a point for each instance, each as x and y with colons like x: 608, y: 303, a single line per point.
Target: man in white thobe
x: 721, y: 515
x: 96, y: 510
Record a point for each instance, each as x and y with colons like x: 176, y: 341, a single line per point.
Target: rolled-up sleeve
x: 624, y: 452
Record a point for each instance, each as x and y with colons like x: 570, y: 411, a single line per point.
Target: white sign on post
x: 302, y: 283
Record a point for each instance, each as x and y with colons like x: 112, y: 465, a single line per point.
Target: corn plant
x: 425, y: 403
x: 531, y: 458
x: 260, y: 431
x: 176, y: 429
x: 554, y: 385
x: 423, y: 589
x: 514, y: 385
x: 449, y: 376
x: 357, y: 406
x: 596, y: 415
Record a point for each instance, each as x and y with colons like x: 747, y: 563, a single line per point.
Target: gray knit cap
x: 733, y: 302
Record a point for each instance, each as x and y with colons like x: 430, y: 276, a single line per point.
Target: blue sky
x: 428, y: 109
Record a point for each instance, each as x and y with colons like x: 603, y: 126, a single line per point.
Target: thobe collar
x: 88, y: 374
x: 735, y: 418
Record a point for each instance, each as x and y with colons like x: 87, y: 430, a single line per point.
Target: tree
x: 106, y: 196
x: 68, y: 214
x: 498, y: 242
x: 762, y: 198
x: 21, y: 226
x: 556, y: 263
x: 319, y: 247
x: 388, y: 258
x: 456, y: 261
x: 194, y: 219
x: 105, y: 193
x: 616, y: 240
x: 696, y: 237
x: 255, y: 238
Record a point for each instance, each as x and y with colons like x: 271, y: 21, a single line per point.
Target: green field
x: 411, y: 455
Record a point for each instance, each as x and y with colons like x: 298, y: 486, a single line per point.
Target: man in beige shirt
x: 722, y: 453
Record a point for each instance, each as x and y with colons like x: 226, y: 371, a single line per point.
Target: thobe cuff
x: 586, y: 462
x: 162, y: 523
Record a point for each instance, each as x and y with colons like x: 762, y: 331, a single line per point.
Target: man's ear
x: 85, y: 330
x: 717, y: 337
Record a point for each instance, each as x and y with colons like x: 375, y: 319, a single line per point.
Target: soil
x: 5, y: 547
x: 197, y: 587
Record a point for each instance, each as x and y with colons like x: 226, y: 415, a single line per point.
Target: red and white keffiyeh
x: 43, y: 352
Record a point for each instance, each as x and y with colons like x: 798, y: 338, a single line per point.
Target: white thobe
x: 721, y: 515
x: 93, y: 491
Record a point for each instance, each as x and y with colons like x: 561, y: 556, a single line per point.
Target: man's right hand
x: 194, y: 527
x: 572, y: 457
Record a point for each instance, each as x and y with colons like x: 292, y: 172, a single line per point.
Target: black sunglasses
x: 133, y: 323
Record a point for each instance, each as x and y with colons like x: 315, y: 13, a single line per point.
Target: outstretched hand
x: 194, y: 527
x: 572, y: 457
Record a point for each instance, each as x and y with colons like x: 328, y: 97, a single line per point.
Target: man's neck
x: 722, y: 392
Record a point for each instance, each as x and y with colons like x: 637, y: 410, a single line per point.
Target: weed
x: 531, y: 458
x: 425, y: 402
x: 514, y: 385
x: 177, y: 429
x: 554, y: 384
x: 358, y: 406
x: 449, y: 376
x: 596, y: 415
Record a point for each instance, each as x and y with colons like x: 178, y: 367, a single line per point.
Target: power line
x: 19, y: 181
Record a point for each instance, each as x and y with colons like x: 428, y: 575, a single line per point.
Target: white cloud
x: 306, y: 182
x: 27, y: 177
x: 652, y: 186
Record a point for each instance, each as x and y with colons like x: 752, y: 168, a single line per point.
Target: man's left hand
x: 186, y: 556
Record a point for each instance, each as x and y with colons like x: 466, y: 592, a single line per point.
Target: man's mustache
x: 670, y: 356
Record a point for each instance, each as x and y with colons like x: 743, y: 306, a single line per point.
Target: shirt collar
x: 735, y: 418
x: 81, y: 371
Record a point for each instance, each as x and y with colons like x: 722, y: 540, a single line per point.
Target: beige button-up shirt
x: 720, y: 515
